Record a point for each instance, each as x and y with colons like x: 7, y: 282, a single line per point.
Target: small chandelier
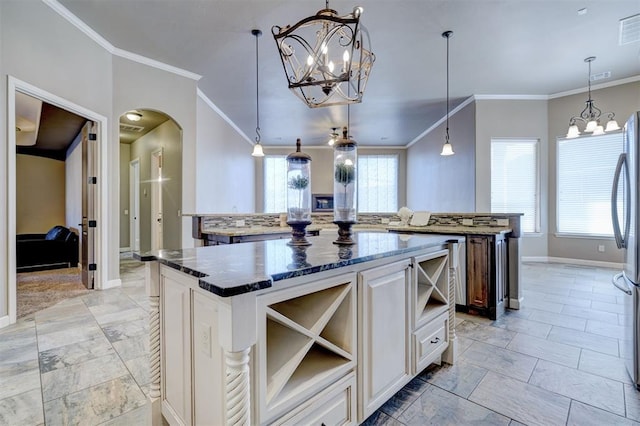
x: 447, y: 149
x: 591, y: 115
x: 327, y: 58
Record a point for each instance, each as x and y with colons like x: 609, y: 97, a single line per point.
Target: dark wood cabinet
x: 487, y: 274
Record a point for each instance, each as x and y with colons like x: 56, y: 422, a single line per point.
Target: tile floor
x: 554, y: 362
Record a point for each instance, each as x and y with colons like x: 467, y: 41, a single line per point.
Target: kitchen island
x: 491, y: 258
x: 264, y: 333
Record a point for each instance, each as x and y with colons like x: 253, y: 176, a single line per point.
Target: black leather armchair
x: 58, y: 248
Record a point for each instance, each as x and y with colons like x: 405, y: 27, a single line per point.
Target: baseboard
x: 112, y: 284
x: 5, y: 321
x: 566, y: 260
x: 125, y: 249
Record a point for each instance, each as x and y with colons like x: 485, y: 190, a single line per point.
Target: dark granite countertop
x: 241, y: 268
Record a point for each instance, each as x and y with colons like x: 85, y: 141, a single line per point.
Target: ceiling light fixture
x: 591, y: 115
x: 257, y: 148
x: 334, y: 136
x: 133, y: 116
x: 326, y: 58
x: 447, y: 149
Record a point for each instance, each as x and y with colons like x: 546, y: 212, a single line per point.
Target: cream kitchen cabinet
x: 323, y: 341
x: 385, y: 363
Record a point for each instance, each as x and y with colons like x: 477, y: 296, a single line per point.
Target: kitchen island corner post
x: 238, y: 334
x: 513, y: 259
x: 152, y: 284
x: 451, y: 353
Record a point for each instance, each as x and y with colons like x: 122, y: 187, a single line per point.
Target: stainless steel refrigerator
x: 625, y: 213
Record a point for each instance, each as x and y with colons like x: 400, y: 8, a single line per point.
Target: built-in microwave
x: 322, y: 203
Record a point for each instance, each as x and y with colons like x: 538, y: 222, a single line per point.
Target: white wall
x: 225, y: 172
x: 444, y: 183
x: 138, y: 86
x: 44, y: 50
x: 512, y: 119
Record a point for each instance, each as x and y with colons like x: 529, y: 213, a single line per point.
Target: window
x: 514, y: 180
x: 585, y: 172
x: 377, y: 183
x: 275, y: 183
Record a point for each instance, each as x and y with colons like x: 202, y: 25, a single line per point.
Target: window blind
x: 585, y: 174
x: 377, y: 183
x: 515, y: 180
x: 275, y: 183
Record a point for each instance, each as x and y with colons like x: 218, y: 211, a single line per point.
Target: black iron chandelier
x: 327, y: 58
x: 591, y: 115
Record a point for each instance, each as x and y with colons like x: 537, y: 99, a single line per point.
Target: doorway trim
x: 102, y: 214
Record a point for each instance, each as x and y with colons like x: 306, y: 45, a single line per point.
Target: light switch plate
x: 467, y: 222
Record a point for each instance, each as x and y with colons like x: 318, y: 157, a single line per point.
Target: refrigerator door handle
x: 616, y: 282
x: 620, y: 241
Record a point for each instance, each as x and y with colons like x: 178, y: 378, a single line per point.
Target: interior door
x: 89, y: 182
x: 156, y: 201
x: 134, y: 205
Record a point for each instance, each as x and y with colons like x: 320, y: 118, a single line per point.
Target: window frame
x: 396, y: 158
x: 536, y: 142
x: 266, y: 159
x: 578, y: 235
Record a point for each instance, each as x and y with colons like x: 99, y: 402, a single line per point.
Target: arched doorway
x: 150, y: 181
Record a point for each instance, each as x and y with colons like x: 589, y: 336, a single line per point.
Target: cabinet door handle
x: 436, y: 340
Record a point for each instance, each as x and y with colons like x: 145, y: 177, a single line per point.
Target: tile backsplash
x: 273, y: 219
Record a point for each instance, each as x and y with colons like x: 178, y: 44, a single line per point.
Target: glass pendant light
x: 447, y: 149
x: 257, y: 148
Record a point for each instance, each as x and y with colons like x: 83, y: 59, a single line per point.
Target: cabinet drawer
x: 430, y: 341
x: 335, y: 406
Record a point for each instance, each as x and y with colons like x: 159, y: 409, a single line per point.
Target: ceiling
x: 53, y: 134
x: 132, y: 130
x: 499, y: 47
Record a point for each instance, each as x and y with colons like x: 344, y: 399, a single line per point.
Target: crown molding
x: 224, y: 116
x: 511, y: 97
x: 596, y: 87
x: 101, y: 41
x: 326, y: 146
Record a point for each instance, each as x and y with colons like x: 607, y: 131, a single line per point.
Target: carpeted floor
x: 39, y: 290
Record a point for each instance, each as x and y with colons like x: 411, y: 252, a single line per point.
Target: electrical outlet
x: 467, y: 222
x: 126, y: 212
x: 601, y: 248
x: 502, y: 222
x: 384, y: 220
x: 240, y: 223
